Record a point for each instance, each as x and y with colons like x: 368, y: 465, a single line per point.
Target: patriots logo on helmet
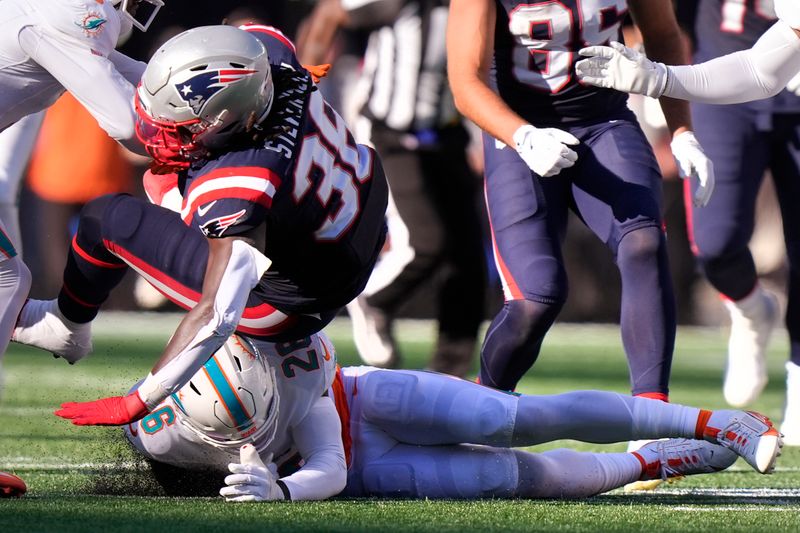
x: 198, y: 90
x: 217, y: 226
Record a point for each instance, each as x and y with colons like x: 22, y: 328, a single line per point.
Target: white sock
x: 596, y: 416
x: 570, y: 474
x: 749, y: 306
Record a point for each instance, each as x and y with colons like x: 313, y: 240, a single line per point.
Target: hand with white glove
x: 252, y: 480
x: 622, y: 68
x: 545, y: 150
x: 693, y: 164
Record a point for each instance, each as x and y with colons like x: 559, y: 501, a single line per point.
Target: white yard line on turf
x: 23, y: 464
x: 732, y: 492
x: 745, y: 508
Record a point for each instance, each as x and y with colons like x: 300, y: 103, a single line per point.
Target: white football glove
x: 622, y: 68
x: 251, y: 480
x: 545, y: 150
x: 794, y: 84
x: 694, y: 165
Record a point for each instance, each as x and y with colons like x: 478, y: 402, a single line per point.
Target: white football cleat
x: 671, y: 458
x: 42, y: 325
x: 372, y: 334
x: 749, y: 434
x: 791, y: 416
x: 644, y: 485
x: 753, y: 319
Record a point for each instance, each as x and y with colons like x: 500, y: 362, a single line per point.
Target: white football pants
x: 427, y: 435
x: 16, y: 145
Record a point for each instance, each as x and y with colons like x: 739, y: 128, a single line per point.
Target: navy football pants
x: 743, y: 143
x: 615, y: 188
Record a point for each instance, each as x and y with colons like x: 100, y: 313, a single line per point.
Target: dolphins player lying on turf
x: 289, y: 424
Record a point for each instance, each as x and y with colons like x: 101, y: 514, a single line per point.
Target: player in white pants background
x: 48, y: 47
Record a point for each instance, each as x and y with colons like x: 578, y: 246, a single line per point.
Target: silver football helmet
x: 233, y: 400
x: 199, y: 89
x: 139, y: 13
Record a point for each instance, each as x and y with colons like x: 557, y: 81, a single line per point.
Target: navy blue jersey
x: 535, y: 50
x: 311, y: 198
x: 724, y: 26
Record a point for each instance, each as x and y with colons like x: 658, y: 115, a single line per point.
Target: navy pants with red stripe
x: 615, y: 188
x: 744, y: 141
x: 118, y: 232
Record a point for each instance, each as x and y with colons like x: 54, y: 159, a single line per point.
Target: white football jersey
x: 47, y: 46
x: 302, y: 377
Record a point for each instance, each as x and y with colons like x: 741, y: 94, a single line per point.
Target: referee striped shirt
x: 404, y: 79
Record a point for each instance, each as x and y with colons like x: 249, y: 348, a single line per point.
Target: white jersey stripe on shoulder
x: 258, y: 185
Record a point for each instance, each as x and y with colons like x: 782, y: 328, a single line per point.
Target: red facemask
x: 168, y: 143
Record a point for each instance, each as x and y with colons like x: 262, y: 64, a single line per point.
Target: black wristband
x: 285, y: 490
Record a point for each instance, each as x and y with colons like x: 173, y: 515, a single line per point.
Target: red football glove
x: 114, y: 411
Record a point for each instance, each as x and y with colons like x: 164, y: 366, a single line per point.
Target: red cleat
x: 11, y: 486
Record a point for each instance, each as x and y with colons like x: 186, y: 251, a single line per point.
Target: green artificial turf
x: 87, y: 479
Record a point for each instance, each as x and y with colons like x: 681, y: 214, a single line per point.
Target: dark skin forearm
x: 319, y: 31
x: 664, y: 42
x: 219, y: 252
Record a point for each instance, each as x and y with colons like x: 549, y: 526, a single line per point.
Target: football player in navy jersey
x: 743, y: 141
x: 754, y: 136
x: 552, y: 144
x: 281, y: 215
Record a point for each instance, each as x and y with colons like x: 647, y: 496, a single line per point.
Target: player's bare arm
x: 664, y: 42
x: 470, y: 46
x: 663, y: 39
x: 233, y: 269
x: 319, y: 30
x: 219, y: 255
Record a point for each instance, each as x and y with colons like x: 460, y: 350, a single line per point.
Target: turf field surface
x: 86, y: 479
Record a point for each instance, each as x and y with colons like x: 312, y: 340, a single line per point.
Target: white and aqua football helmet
x: 233, y: 400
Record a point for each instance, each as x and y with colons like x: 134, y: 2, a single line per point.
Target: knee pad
x: 641, y: 243
x: 436, y: 472
x: 113, y: 217
x: 429, y: 408
x: 123, y: 216
x: 528, y: 318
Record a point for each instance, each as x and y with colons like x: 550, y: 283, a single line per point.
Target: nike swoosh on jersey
x: 203, y: 209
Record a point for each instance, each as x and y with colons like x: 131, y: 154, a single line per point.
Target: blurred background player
x: 393, y: 442
x: 745, y: 140
x: 769, y: 65
x: 61, y: 180
x: 408, y: 114
x: 552, y: 145
x: 47, y: 47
